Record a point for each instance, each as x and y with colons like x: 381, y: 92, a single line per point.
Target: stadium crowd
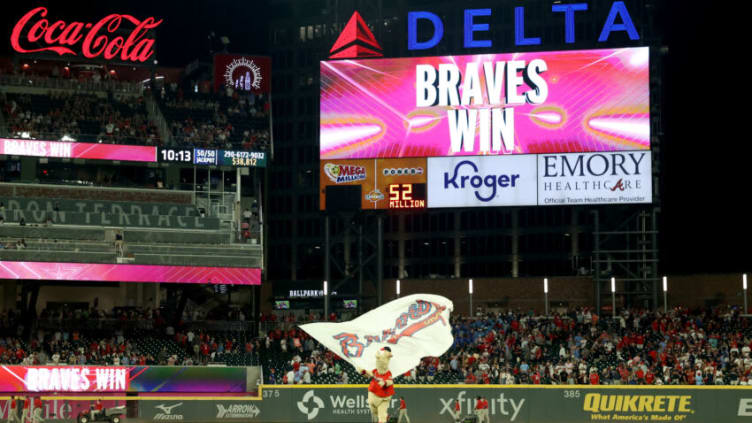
x: 682, y: 347
x: 79, y: 117
x: 124, y: 336
x: 708, y: 346
x: 229, y: 119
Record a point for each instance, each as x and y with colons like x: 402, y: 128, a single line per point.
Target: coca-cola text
x: 96, y: 42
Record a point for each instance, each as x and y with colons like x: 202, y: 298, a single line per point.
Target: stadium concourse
x: 683, y: 347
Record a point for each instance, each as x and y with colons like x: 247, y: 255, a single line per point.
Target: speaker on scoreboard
x: 343, y: 198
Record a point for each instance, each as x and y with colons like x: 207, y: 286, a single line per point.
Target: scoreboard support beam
x: 380, y: 258
x: 362, y: 233
x: 625, y: 246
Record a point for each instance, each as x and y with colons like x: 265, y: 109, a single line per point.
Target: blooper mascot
x: 389, y: 340
x: 381, y: 389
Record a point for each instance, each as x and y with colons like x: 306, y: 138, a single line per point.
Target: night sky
x: 706, y: 182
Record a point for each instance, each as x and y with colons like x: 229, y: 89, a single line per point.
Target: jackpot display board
x: 211, y: 157
x: 491, y: 104
x: 386, y: 183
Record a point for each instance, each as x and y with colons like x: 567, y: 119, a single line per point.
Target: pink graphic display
x: 77, y: 150
x: 520, y: 103
x: 94, y: 272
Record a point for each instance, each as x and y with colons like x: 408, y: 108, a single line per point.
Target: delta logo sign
x: 357, y: 41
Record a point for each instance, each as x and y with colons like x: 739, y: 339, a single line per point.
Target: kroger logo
x: 466, y: 175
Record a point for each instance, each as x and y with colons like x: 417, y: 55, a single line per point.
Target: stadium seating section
x: 111, y: 112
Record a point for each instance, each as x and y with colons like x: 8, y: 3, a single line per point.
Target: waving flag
x: 414, y: 327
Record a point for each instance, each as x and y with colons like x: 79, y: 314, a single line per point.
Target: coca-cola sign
x: 96, y: 39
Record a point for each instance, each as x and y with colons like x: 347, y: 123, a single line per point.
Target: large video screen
x: 77, y: 150
x: 108, y: 272
x: 99, y: 379
x: 492, y: 104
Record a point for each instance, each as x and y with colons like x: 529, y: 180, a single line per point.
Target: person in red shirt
x: 25, y: 414
x: 478, y: 408
x: 484, y: 411
x: 96, y: 409
x: 37, y: 410
x: 403, y: 411
x: 595, y: 379
x: 456, y: 411
x: 12, y: 413
x: 536, y: 378
x: 470, y: 379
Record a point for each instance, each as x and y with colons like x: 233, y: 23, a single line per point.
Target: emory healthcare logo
x: 310, y: 410
x: 355, y: 41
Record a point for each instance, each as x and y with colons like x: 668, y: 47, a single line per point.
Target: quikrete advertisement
x: 386, y: 183
x: 435, y: 403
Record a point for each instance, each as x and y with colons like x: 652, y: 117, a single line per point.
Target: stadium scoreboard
x: 212, y: 157
x: 514, y: 129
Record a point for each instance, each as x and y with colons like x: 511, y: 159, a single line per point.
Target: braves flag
x: 413, y: 327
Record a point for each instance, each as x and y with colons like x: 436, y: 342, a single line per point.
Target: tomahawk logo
x: 310, y: 405
x: 166, y: 413
x: 355, y: 41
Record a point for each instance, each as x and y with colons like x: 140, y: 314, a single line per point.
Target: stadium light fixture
x: 665, y: 284
x: 470, y: 292
x: 545, y: 293
x: 398, y: 287
x: 665, y: 294
x: 744, y: 285
x: 613, y: 298
x: 326, y: 288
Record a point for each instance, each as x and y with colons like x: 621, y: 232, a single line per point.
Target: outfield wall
x: 432, y: 404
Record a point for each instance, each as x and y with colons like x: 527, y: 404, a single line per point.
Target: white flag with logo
x: 413, y: 327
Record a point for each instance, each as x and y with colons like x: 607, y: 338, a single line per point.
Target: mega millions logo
x: 343, y: 173
x: 243, y: 74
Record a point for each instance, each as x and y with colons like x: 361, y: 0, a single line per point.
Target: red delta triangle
x: 355, y: 30
x: 355, y: 51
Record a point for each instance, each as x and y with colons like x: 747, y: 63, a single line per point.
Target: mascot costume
x: 381, y: 388
x: 389, y: 340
